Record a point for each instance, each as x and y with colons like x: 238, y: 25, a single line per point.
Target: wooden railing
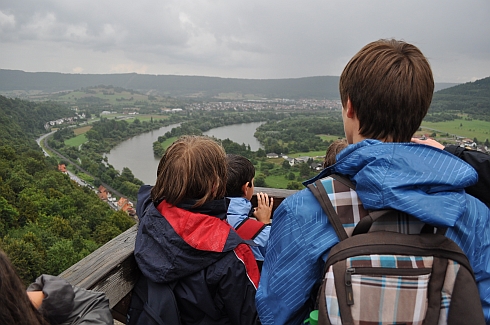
x: 112, y: 268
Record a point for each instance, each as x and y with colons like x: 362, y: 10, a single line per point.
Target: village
x: 121, y: 204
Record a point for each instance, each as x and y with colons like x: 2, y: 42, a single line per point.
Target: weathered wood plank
x: 277, y: 194
x: 109, y: 269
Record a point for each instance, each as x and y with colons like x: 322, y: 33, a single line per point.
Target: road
x: 42, y: 141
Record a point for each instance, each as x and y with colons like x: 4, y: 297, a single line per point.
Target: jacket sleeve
x: 294, y: 261
x: 59, y: 295
x: 262, y: 240
x: 472, y: 233
x: 90, y: 308
x: 481, y: 163
x: 481, y: 258
x: 65, y: 304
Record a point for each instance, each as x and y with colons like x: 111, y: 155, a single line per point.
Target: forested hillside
x: 318, y: 87
x: 471, y: 99
x: 47, y: 221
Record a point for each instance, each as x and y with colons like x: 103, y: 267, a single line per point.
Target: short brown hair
x: 240, y: 171
x: 193, y: 167
x: 390, y: 86
x: 332, y: 151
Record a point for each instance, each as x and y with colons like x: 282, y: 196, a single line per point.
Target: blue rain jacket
x: 238, y: 210
x: 417, y: 179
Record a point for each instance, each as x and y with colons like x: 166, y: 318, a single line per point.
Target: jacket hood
x: 175, y: 241
x: 420, y: 180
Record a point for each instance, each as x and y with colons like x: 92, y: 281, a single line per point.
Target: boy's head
x: 241, y: 173
x: 389, y: 86
x: 332, y: 151
x: 193, y: 167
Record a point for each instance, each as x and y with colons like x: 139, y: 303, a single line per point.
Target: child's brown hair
x: 193, y: 167
x: 332, y: 151
x: 390, y: 85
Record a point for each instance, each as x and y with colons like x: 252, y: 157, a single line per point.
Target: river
x: 137, y: 152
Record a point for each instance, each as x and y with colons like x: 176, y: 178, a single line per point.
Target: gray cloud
x: 244, y: 39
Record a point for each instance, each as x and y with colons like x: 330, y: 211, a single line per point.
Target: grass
x: 86, y: 178
x: 168, y: 142
x: 461, y: 127
x: 76, y: 141
x: 326, y: 137
x: 311, y: 154
x: 278, y: 181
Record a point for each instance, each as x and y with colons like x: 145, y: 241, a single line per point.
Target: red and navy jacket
x: 216, y: 273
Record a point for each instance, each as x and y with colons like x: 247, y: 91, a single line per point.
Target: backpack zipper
x: 376, y: 271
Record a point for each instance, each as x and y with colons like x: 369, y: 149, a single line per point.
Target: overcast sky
x: 258, y: 39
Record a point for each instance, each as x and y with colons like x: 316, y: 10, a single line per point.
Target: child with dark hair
x: 184, y: 239
x: 250, y: 223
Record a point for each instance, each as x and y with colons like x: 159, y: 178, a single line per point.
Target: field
x: 277, y: 181
x: 168, y: 142
x: 325, y: 137
x: 82, y: 129
x: 111, y: 96
x: 76, y: 141
x: 461, y: 128
x: 311, y: 154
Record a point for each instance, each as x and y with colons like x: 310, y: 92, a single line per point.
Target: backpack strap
x: 365, y: 223
x: 344, y: 180
x: 249, y: 228
x: 322, y: 196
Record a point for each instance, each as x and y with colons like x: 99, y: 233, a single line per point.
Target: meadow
x: 461, y: 128
x: 77, y: 140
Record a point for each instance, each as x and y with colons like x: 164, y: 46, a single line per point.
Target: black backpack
x: 389, y: 277
x: 153, y: 304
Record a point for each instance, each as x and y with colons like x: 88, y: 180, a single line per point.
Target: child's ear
x: 245, y: 188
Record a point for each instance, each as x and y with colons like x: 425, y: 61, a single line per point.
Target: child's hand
x: 429, y: 142
x: 263, y: 210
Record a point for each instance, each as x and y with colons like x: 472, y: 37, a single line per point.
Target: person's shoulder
x: 475, y: 207
x: 299, y: 203
x: 301, y: 194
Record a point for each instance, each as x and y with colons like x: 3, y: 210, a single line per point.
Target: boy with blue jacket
x: 386, y: 90
x: 253, y: 223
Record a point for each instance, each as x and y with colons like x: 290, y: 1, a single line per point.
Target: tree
x: 105, y: 232
x: 294, y: 186
x: 260, y: 181
x: 261, y: 153
x: 25, y: 257
x: 9, y: 215
x: 286, y: 165
x: 121, y: 220
x: 304, y: 170
x: 60, y: 256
